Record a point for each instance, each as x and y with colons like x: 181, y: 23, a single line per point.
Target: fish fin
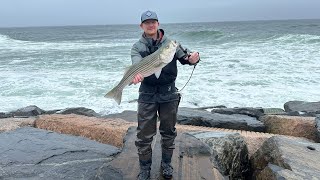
x: 114, y: 94
x: 157, y: 74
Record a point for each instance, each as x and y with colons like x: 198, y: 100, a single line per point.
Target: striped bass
x: 147, y: 66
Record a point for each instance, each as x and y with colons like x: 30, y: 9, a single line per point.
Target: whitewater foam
x: 247, y: 66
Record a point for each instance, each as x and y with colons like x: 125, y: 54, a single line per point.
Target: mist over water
x: 256, y: 64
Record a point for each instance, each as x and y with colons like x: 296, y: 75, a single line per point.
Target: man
x: 157, y: 97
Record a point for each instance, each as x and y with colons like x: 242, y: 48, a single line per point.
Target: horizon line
x: 120, y: 24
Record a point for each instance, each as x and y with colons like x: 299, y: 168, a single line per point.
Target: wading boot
x: 145, y: 168
x: 166, y: 167
x: 167, y: 170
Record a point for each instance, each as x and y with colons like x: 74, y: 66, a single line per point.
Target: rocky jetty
x: 212, y: 143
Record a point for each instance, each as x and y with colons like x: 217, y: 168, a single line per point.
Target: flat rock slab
x: 188, y: 116
x: 284, y: 158
x: 8, y: 124
x: 31, y: 153
x: 187, y: 164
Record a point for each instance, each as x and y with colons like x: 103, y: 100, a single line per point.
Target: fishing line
x: 189, y: 78
x: 194, y: 66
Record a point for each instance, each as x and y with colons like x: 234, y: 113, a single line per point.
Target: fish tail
x: 114, y: 94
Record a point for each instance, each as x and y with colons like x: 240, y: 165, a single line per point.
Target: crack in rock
x: 59, y: 155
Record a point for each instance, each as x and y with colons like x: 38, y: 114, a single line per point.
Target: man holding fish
x: 154, y: 58
x: 158, y: 96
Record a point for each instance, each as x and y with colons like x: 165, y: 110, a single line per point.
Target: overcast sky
x: 95, y: 12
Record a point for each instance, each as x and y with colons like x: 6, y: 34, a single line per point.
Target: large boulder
x: 28, y: 111
x: 302, y: 106
x: 108, y: 131
x: 254, y: 140
x: 249, y: 111
x: 130, y: 116
x: 188, y: 116
x: 31, y: 153
x: 229, y: 152
x: 9, y: 124
x: 5, y: 115
x: 195, y: 153
x: 285, y: 158
x: 80, y: 111
x: 291, y: 125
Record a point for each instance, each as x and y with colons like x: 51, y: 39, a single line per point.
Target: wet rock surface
x: 31, y: 153
x: 188, y: 116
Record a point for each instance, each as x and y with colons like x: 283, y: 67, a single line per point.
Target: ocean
x: 243, y: 64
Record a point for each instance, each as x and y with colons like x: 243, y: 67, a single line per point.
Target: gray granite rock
x: 253, y: 112
x: 229, y: 152
x: 302, y: 107
x: 188, y: 116
x: 31, y: 153
x: 80, y: 111
x: 285, y: 158
x: 130, y: 116
x: 273, y: 111
x: 28, y: 111
x: 5, y: 115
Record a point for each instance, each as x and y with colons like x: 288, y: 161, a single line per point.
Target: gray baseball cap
x: 148, y: 15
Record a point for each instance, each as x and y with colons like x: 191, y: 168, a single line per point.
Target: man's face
x: 150, y: 26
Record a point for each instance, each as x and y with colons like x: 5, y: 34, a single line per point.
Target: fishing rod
x: 194, y: 66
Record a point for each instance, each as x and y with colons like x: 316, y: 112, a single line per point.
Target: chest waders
x: 158, y: 99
